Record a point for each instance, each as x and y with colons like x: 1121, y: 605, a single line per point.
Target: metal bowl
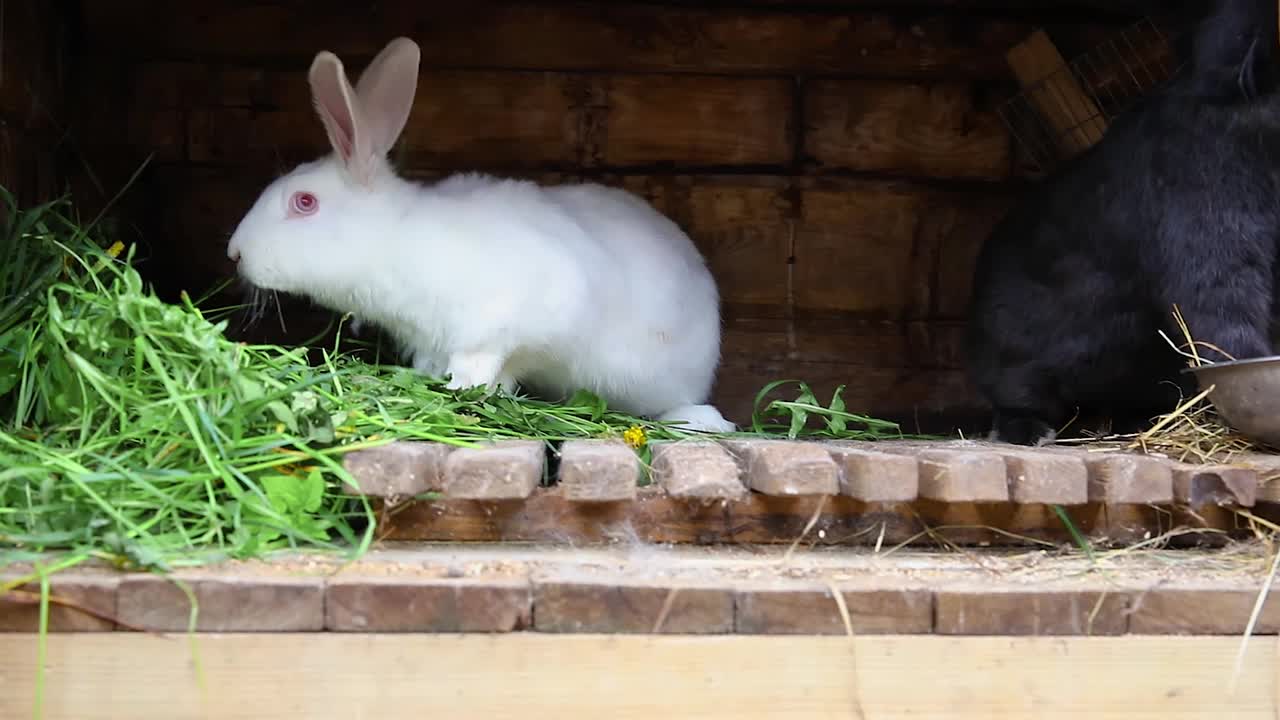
x: 1246, y: 394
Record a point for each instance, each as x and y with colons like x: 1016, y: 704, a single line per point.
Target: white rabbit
x: 491, y: 281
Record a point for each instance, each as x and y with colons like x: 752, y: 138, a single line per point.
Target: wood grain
x: 937, y: 129
x: 31, y: 67
x: 711, y: 678
x: 546, y: 516
x: 627, y: 36
x: 696, y: 121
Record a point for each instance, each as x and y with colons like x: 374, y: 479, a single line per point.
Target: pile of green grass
x: 135, y: 431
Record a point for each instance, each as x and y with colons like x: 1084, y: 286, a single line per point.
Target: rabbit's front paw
x: 468, y: 370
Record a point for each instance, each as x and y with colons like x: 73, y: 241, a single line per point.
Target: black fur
x: 1178, y: 204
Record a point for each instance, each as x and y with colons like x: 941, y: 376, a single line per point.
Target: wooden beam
x: 631, y: 36
x: 530, y: 676
x: 1051, y: 88
x: 629, y: 589
x: 653, y: 516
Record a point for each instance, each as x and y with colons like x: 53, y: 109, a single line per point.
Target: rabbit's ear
x: 339, y: 110
x: 385, y: 91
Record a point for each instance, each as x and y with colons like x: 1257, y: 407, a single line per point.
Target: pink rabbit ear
x: 385, y: 90
x: 339, y: 110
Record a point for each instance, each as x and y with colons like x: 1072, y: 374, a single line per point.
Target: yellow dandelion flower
x: 634, y: 436
x: 115, y: 249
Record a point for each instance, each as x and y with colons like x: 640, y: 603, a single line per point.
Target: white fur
x: 499, y: 282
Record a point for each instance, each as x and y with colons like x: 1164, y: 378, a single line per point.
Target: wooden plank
x: 695, y: 470
x: 911, y: 129
x: 1267, y: 466
x: 742, y: 225
x: 629, y: 36
x: 814, y: 611
x: 1048, y: 478
x: 786, y: 469
x: 655, y: 517
x: 885, y: 249
x: 79, y: 602
x: 400, y: 469
x: 986, y: 610
x: 876, y: 477
x: 569, y: 603
x: 1199, y: 611
x: 955, y: 475
x: 1117, y: 477
x: 477, y: 119
x: 31, y: 65
x: 956, y: 233
x: 598, y: 471
x: 501, y: 470
x: 403, y: 676
x: 1056, y: 95
x: 460, y: 120
x: 225, y: 603
x: 691, y: 120
x: 855, y: 250
x: 355, y: 603
x: 1199, y: 485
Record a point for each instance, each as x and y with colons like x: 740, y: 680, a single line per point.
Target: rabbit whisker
x: 279, y: 311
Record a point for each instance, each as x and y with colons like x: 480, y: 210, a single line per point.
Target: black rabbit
x: 1179, y: 203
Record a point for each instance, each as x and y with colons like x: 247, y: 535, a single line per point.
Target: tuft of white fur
x: 496, y: 281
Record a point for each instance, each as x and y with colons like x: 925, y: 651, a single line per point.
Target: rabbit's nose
x: 233, y: 254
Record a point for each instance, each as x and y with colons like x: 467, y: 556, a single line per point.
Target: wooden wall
x: 838, y: 162
x: 33, y: 34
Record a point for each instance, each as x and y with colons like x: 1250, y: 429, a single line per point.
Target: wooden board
x: 480, y: 119
x: 1056, y: 95
x: 529, y: 676
x: 630, y: 588
x: 31, y: 82
x: 545, y: 516
x: 628, y: 36
x: 934, y: 129
x: 32, y: 102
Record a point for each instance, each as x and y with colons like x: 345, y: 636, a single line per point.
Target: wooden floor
x: 772, y: 491
x: 529, y: 676
x: 637, y: 588
x: 637, y: 631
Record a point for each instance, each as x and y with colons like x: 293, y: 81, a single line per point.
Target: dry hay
x: 1193, y: 432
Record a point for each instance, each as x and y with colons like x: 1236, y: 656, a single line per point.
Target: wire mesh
x: 1112, y: 76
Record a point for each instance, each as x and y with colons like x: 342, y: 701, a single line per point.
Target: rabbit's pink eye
x: 303, y: 203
